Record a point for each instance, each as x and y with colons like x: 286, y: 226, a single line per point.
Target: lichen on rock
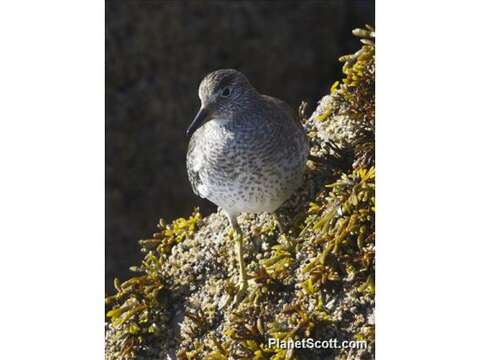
x: 316, y: 281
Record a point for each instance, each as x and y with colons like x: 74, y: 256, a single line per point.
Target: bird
x: 247, y: 152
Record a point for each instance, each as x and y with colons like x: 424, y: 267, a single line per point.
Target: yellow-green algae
x: 316, y: 282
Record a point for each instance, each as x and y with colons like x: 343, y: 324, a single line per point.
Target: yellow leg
x: 279, y: 223
x: 241, y: 262
x: 243, y: 285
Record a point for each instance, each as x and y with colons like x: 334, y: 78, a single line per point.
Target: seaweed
x: 138, y: 311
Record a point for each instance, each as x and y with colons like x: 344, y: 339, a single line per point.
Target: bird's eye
x: 226, y: 92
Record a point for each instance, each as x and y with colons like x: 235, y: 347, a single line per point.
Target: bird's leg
x: 239, y: 244
x: 279, y: 223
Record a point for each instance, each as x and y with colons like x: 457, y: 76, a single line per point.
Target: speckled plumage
x: 247, y: 152
x: 250, y: 154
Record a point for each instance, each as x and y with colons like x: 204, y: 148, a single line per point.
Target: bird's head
x: 222, y: 93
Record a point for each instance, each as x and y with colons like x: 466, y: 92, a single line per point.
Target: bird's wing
x: 287, y: 110
x: 195, y: 162
x: 291, y: 117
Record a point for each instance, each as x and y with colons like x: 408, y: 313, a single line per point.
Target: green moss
x: 282, y: 259
x: 138, y: 311
x: 344, y: 230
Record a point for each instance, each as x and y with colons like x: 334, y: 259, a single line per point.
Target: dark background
x: 157, y: 52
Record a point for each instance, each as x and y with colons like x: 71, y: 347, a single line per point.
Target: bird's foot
x: 235, y: 296
x: 278, y: 223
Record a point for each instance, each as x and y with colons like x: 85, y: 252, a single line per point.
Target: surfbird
x: 247, y: 153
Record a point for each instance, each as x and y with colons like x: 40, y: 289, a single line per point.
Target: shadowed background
x: 157, y: 52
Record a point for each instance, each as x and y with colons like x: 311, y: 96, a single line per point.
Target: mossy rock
x: 316, y: 281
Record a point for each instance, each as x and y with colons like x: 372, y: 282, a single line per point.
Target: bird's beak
x: 199, y: 120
